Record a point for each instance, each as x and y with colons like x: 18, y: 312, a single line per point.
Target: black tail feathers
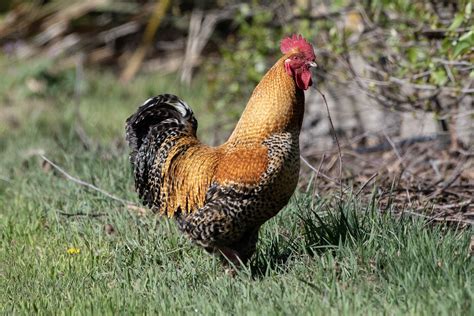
x: 150, y: 133
x: 160, y: 113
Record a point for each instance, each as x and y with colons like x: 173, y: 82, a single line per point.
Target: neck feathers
x: 276, y: 105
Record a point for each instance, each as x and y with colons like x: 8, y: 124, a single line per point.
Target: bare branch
x: 83, y: 183
x: 366, y: 183
x: 335, y: 137
x: 81, y: 214
x: 318, y: 172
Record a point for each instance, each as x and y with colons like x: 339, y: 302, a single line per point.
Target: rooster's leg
x: 230, y: 254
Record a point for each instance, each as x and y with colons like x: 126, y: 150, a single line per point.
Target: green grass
x: 318, y: 256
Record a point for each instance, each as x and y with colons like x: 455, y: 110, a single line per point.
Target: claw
x: 231, y: 272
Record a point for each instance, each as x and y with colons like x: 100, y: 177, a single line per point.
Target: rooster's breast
x: 279, y: 181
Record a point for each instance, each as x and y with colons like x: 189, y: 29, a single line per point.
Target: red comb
x: 297, y: 42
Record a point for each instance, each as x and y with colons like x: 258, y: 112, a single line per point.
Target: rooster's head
x: 300, y: 58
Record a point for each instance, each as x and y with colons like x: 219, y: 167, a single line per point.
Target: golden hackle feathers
x: 275, y: 106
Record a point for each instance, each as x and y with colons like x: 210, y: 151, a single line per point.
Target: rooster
x: 220, y: 196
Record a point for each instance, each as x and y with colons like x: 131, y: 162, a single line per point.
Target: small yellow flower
x: 73, y: 251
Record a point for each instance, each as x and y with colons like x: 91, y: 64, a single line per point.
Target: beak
x: 312, y: 64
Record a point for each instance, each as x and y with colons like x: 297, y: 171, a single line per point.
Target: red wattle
x: 303, y: 79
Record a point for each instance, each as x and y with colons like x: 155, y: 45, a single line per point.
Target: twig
x: 456, y: 205
x: 386, y: 145
x: 316, y: 170
x: 112, y: 34
x: 452, y: 62
x: 315, y: 17
x: 400, y: 81
x: 319, y: 168
x: 462, y: 114
x: 81, y: 214
x: 439, y: 218
x: 440, y: 33
x: 394, y: 147
x: 201, y: 28
x: 335, y: 137
x: 450, y: 73
x: 366, y: 183
x: 332, y: 162
x: 456, y: 173
x: 83, y: 183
